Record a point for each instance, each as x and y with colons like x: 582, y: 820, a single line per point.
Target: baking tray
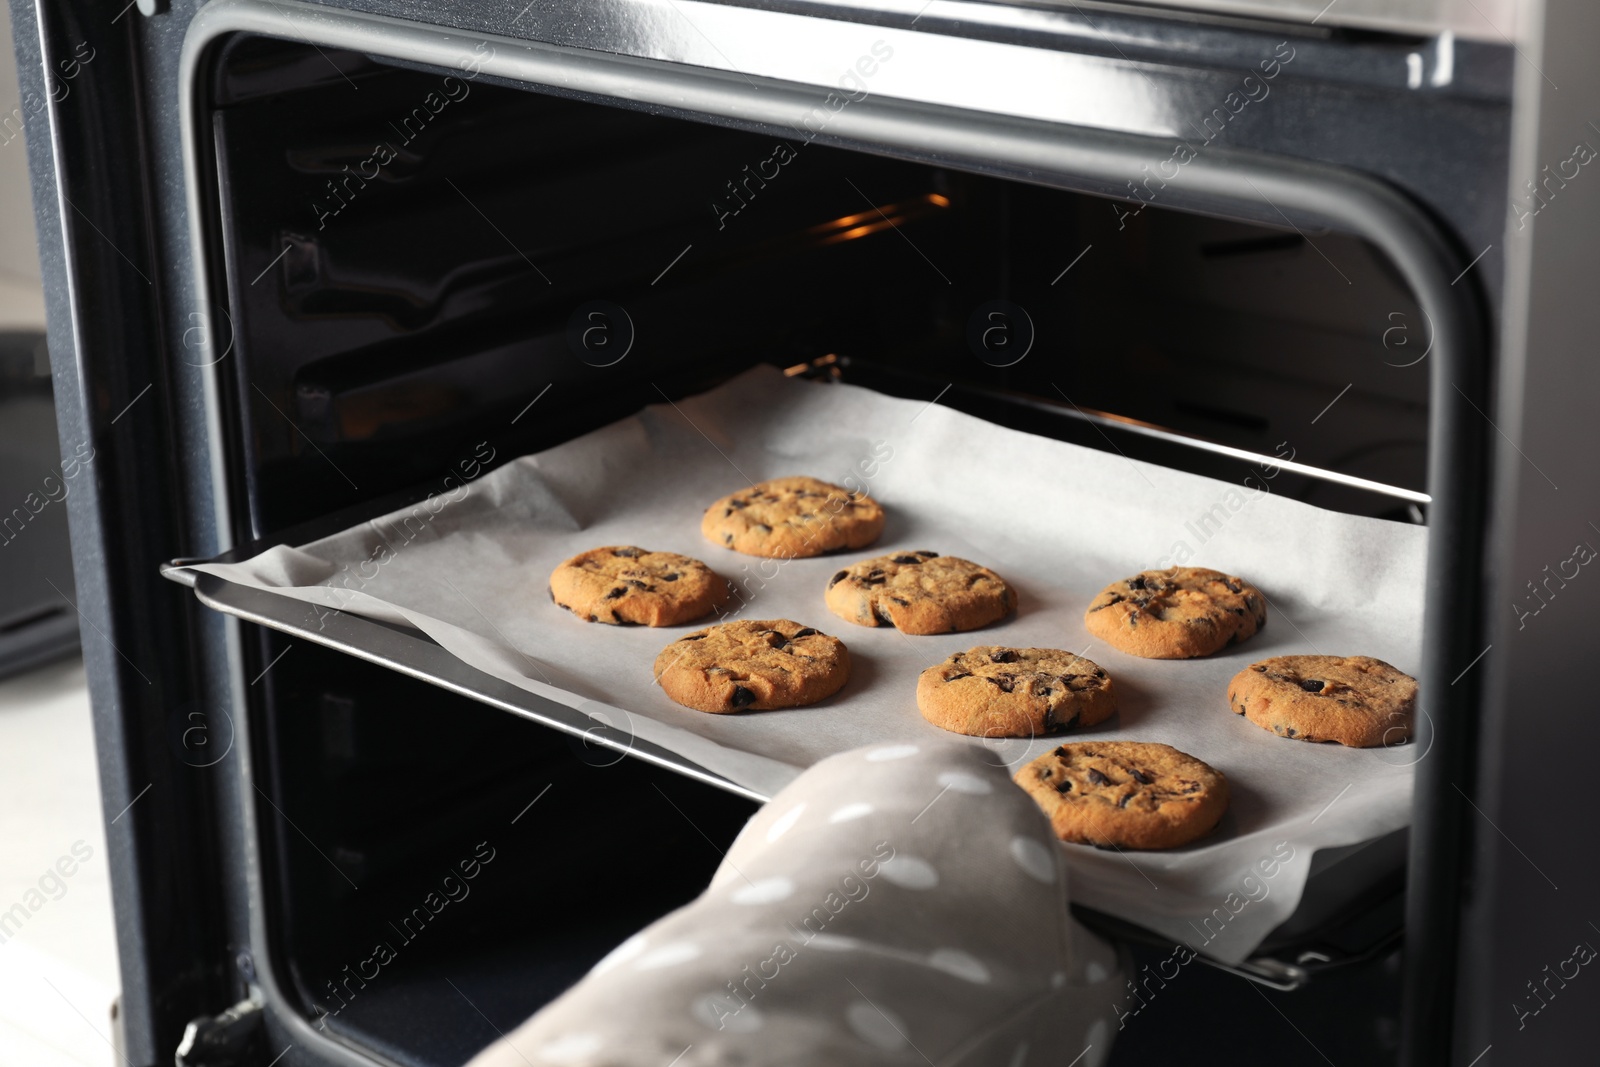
x: 1076, y: 519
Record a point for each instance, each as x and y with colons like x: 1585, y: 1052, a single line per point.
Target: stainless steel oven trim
x: 1091, y: 160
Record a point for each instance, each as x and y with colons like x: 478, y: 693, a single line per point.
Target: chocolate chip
x: 957, y: 677
x: 804, y: 631
x: 1061, y: 752
x: 1099, y: 674
x: 904, y: 559
x: 1069, y: 724
x: 902, y: 603
x: 693, y: 637
x: 1005, y: 682
x: 1097, y: 778
x: 1064, y: 786
x: 742, y: 697
x: 671, y: 577
x: 837, y: 578
x: 1116, y: 598
x: 1004, y: 655
x: 1136, y: 583
x: 1258, y: 668
x: 737, y: 503
x: 1140, y: 777
x: 1044, y: 694
x: 1133, y: 617
x: 870, y: 580
x: 925, y: 552
x: 636, y: 584
x: 1312, y: 685
x: 628, y: 553
x: 618, y: 591
x: 594, y: 618
x: 1233, y: 586
x: 1124, y: 801
x: 883, y: 615
x: 1292, y: 731
x: 1237, y: 611
x: 727, y: 538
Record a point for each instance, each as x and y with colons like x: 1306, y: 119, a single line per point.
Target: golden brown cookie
x: 753, y: 666
x: 994, y: 691
x: 1176, y: 614
x: 1127, y: 794
x: 920, y: 592
x: 789, y: 518
x: 1354, y: 700
x: 629, y: 586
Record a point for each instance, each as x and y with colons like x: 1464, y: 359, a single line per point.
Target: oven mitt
x: 900, y: 904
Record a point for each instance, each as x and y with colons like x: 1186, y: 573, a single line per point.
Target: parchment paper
x: 469, y: 568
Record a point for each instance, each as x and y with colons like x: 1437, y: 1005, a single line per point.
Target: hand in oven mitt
x: 901, y: 904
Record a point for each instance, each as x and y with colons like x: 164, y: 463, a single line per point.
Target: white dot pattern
x: 766, y: 891
x: 1034, y: 858
x: 909, y: 872
x: 785, y: 822
x: 851, y: 812
x: 622, y: 953
x: 570, y: 1048
x: 672, y: 955
x: 840, y: 930
x: 875, y: 1026
x: 962, y: 782
x: 961, y: 964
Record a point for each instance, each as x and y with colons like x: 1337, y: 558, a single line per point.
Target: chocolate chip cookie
x: 1354, y: 700
x: 790, y: 518
x: 994, y: 691
x: 920, y: 592
x: 753, y: 666
x: 1176, y: 614
x: 628, y: 586
x: 1127, y: 794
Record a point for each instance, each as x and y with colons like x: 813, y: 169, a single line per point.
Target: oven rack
x: 1335, y: 923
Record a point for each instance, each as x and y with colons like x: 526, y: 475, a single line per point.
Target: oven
x: 305, y: 260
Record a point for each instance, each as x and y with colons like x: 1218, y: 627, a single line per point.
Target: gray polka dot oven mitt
x: 901, y: 904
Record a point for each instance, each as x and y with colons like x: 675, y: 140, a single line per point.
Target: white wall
x: 21, y: 302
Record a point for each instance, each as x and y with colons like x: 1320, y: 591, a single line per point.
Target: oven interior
x: 414, y: 265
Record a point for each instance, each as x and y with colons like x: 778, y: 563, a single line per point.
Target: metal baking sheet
x: 468, y: 569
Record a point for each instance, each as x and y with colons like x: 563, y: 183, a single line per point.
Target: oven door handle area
x: 1288, y: 193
